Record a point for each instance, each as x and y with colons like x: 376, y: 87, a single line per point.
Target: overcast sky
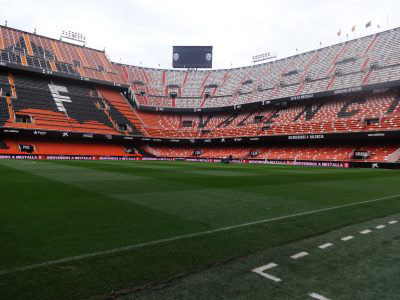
x: 144, y: 31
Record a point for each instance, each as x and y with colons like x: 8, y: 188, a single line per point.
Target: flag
x: 353, y: 28
x: 368, y: 24
x: 339, y: 33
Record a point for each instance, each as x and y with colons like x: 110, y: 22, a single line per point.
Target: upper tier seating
x: 348, y: 114
x: 358, y: 62
x: 54, y: 55
x: 368, y: 60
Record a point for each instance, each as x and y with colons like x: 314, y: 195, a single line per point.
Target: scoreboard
x: 192, y: 57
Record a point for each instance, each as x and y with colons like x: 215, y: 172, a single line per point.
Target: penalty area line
x: 324, y: 246
x: 260, y: 271
x: 299, y: 255
x: 182, y: 237
x: 318, y: 296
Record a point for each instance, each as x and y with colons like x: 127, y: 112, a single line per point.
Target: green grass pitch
x: 86, y: 229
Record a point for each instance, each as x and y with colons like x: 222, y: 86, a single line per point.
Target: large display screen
x: 192, y: 57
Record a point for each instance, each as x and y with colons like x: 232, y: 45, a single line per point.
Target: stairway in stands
x: 122, y: 105
x: 144, y: 153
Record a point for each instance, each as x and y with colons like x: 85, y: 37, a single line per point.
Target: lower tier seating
x: 50, y: 147
x: 306, y: 152
x: 381, y: 152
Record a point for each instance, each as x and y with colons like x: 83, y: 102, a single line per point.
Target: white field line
x: 299, y: 255
x: 318, y: 296
x: 185, y: 236
x: 366, y: 231
x: 380, y: 226
x: 260, y: 271
x: 347, y: 238
x: 324, y: 246
x: 392, y: 222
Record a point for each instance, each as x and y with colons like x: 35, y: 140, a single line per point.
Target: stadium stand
x: 55, y: 86
x: 54, y: 104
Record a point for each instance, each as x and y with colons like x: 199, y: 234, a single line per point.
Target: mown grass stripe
x: 185, y: 236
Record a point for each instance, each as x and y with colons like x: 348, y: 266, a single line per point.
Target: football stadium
x: 274, y: 180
